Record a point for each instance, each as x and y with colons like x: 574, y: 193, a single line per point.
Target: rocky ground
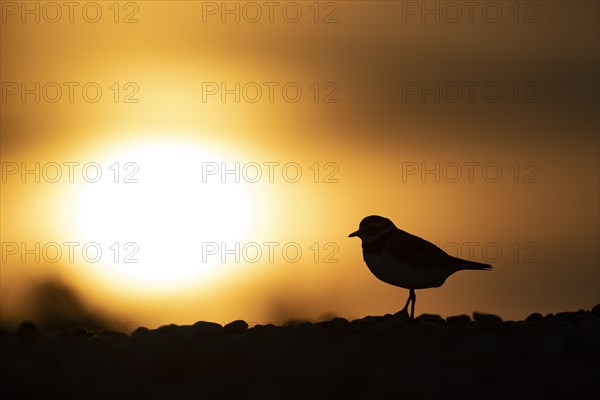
x: 479, y: 357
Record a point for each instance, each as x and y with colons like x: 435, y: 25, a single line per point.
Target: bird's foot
x: 403, y: 314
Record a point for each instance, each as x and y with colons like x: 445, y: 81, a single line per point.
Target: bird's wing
x: 418, y: 252
x: 460, y: 264
x: 424, y: 254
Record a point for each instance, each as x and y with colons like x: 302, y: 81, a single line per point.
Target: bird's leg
x: 412, y: 296
x: 404, y: 310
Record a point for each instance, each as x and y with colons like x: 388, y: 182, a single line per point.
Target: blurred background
x: 230, y: 148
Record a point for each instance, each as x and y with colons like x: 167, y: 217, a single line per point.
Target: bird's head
x: 372, y: 227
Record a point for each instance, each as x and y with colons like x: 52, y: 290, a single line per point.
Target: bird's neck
x: 376, y: 245
x: 381, y: 234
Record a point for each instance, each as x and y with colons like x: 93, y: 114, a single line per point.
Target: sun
x: 151, y: 210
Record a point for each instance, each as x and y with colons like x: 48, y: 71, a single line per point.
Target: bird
x: 401, y: 259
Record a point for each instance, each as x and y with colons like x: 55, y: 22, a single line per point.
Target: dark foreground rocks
x: 484, y: 357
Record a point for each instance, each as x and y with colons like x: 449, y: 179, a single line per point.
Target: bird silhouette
x: 408, y: 261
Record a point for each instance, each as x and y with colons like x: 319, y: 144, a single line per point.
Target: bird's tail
x: 466, y: 264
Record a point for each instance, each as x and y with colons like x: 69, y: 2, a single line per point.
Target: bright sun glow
x: 163, y: 219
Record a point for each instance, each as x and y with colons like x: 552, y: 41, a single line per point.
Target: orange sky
x: 502, y: 102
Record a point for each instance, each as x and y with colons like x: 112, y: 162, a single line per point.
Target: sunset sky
x: 475, y: 127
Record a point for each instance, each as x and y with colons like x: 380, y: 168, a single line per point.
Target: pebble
x: 207, y: 328
x: 142, y: 331
x: 83, y: 332
x: 27, y: 330
x: 167, y: 329
x: 236, y: 327
x: 335, y: 326
x: 434, y: 318
x: 534, y: 317
x: 564, y: 315
x: 483, y: 318
x: 459, y: 320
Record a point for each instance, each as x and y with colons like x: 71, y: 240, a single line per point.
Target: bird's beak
x: 353, y: 234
